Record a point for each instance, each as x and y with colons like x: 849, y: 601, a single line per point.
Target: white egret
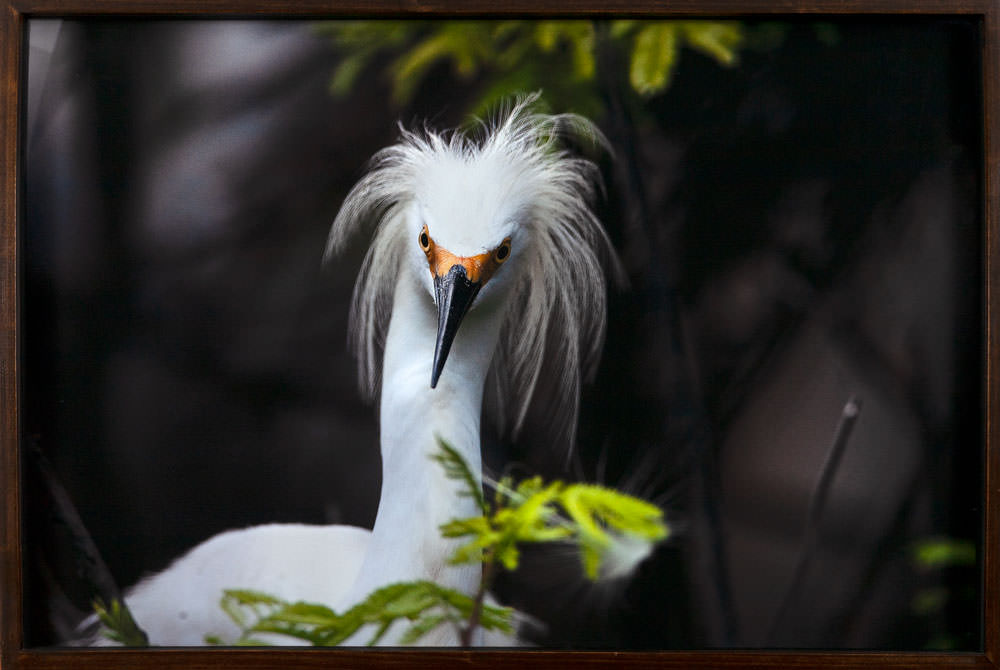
x: 485, y: 268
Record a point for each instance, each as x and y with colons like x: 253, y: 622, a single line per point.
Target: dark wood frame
x: 13, y: 655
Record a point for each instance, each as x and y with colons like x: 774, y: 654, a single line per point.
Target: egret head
x: 497, y: 218
x: 457, y: 280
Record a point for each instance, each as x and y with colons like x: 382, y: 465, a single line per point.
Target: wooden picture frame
x: 13, y: 45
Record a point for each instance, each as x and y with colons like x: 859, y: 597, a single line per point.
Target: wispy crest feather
x: 555, y: 321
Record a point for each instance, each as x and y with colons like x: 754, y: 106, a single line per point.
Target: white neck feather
x: 417, y: 498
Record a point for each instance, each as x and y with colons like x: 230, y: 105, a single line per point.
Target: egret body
x: 485, y: 269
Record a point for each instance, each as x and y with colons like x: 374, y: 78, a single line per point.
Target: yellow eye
x: 424, y: 239
x: 502, y: 253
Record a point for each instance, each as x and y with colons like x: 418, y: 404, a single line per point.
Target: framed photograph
x: 600, y: 334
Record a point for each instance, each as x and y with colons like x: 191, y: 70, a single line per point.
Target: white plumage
x: 494, y: 234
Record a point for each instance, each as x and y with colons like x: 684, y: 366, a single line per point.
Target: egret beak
x: 455, y: 293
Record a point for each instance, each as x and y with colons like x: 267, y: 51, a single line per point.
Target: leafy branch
x: 593, y: 517
x: 560, y: 57
x: 423, y: 605
x: 597, y: 519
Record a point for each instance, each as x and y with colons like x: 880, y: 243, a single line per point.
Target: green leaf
x: 495, y: 617
x: 468, y: 553
x: 423, y: 626
x: 380, y: 632
x: 465, y: 43
x: 529, y: 487
x: 306, y: 613
x: 503, y: 489
x: 580, y: 38
x: 943, y: 552
x: 508, y: 555
x: 532, y: 520
x: 119, y: 625
x: 347, y: 72
x: 477, y: 525
x: 591, y: 550
x: 250, y: 597
x: 547, y: 35
x: 589, y: 502
x: 622, y: 27
x: 484, y: 537
x: 244, y: 605
x: 256, y: 612
x: 456, y: 468
x: 654, y: 53
x: 594, y: 508
x: 718, y: 39
x: 410, y: 68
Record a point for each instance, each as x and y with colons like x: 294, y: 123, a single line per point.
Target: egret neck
x: 417, y: 497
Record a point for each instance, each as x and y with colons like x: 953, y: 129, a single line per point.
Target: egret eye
x: 502, y: 252
x: 424, y: 239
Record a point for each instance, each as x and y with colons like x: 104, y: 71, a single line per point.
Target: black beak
x: 455, y: 293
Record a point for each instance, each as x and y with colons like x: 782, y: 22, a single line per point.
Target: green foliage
x: 119, y: 624
x: 466, y: 46
x: 656, y: 48
x: 563, y: 58
x: 423, y: 605
x: 591, y: 516
x: 455, y: 467
x: 579, y: 38
x: 653, y: 58
x: 718, y: 40
x: 595, y: 509
x: 933, y: 556
x: 360, y: 42
x: 942, y: 552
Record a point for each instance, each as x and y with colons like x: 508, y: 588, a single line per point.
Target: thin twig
x: 848, y: 417
x: 489, y: 565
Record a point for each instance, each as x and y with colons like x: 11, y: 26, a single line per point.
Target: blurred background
x: 797, y: 205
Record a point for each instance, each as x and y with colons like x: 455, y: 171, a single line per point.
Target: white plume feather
x: 556, y: 318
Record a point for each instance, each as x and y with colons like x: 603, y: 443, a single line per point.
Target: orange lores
x: 478, y: 268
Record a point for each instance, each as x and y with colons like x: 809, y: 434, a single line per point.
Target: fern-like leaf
x: 119, y: 625
x: 426, y: 604
x: 456, y: 468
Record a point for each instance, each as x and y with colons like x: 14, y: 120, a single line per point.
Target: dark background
x: 797, y: 230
